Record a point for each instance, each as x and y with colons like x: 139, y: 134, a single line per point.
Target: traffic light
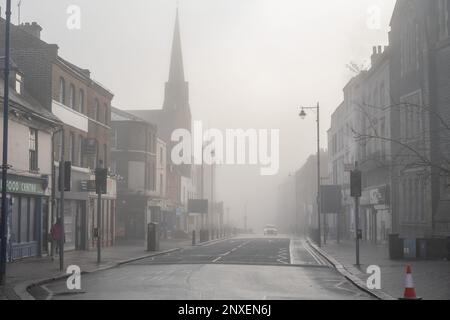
x: 67, y: 167
x: 356, y: 184
x: 101, y: 177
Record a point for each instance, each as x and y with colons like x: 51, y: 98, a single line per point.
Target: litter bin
x: 152, y: 237
x: 448, y: 249
x: 395, y: 247
x: 422, y: 252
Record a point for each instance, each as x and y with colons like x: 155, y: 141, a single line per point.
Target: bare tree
x: 413, y: 151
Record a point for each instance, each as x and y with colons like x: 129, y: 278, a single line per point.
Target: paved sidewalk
x: 431, y: 278
x: 36, y: 269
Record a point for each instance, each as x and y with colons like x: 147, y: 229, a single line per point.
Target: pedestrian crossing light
x: 356, y: 184
x: 101, y: 177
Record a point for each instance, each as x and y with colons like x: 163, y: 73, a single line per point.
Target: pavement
x: 242, y: 268
x: 431, y: 278
x: 21, y: 274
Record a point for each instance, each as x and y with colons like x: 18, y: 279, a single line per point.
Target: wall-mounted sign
x: 198, y: 206
x: 376, y: 196
x: 24, y: 185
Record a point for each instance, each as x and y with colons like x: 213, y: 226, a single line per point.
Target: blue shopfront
x: 28, y: 216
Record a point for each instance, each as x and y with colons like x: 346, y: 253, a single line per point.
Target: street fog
x: 250, y: 64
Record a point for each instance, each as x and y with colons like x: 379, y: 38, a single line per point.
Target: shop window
x: 24, y: 220
x: 32, y: 220
x: 15, y: 220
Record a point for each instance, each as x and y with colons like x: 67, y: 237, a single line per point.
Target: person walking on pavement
x: 56, y: 233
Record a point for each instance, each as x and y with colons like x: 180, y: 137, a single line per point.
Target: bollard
x: 193, y: 237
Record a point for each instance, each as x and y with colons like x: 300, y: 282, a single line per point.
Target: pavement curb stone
x: 343, y: 270
x: 21, y: 289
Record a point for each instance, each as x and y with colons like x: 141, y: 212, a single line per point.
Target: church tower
x: 176, y: 99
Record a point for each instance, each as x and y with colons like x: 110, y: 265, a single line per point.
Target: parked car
x: 270, y: 230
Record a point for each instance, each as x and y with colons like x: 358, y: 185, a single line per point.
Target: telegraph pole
x: 4, y: 212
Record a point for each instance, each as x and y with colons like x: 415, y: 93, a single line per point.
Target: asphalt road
x: 236, y: 269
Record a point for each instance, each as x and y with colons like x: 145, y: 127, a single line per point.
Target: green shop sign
x: 25, y: 185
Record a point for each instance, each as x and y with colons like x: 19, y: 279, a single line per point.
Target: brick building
x: 29, y: 186
x: 134, y: 151
x: 360, y: 127
x: 175, y: 114
x: 420, y: 81
x: 84, y: 106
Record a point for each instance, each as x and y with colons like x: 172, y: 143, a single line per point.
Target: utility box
x: 152, y: 237
x: 410, y: 249
x: 395, y: 247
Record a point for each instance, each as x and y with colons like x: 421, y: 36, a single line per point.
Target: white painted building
x: 29, y: 185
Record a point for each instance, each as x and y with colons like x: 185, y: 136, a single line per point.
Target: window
x: 96, y: 113
x: 106, y: 114
x: 382, y: 95
x: 62, y: 90
x: 81, y: 102
x: 72, y: 97
x: 161, y: 185
x: 19, y: 83
x: 80, y: 151
x: 33, y: 149
x: 384, y: 135
x: 161, y: 156
x: 153, y: 174
x: 72, y: 148
x: 444, y: 20
x: 409, y: 46
x: 105, y: 156
x: 114, y: 138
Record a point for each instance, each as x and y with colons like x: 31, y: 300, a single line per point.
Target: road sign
x: 331, y: 199
x: 87, y: 186
x: 348, y: 167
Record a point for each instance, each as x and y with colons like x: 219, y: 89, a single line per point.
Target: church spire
x: 176, y: 74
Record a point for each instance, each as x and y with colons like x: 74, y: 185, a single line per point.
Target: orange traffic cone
x: 410, y: 291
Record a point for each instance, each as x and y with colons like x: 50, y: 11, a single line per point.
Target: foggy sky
x: 250, y: 64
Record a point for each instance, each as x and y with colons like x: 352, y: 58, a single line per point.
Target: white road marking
x: 316, y: 257
x: 50, y: 293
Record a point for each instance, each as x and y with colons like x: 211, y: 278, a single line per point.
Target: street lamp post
x: 303, y: 116
x: 4, y: 209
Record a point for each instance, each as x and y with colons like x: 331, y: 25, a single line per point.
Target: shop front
x: 376, y: 214
x: 28, y: 216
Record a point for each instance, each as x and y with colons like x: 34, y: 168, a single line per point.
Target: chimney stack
x: 377, y: 52
x: 32, y: 28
